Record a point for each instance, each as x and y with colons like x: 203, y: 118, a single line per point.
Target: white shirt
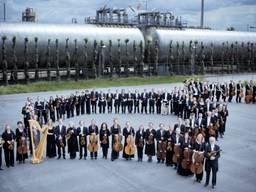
x: 212, y: 147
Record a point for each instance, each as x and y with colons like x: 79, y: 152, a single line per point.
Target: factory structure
x: 112, y: 44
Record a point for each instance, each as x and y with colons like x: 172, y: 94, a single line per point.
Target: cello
x: 129, y: 148
x: 117, y: 147
x: 22, y: 148
x: 176, y: 154
x: 93, y: 143
x: 187, y: 160
x: 197, y: 165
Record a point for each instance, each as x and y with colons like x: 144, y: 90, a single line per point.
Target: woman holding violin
x: 104, y: 139
x: 139, y: 142
x: 8, y: 137
x: 129, y: 144
x: 21, y: 139
x: 198, y: 157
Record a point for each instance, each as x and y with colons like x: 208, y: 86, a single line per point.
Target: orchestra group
x: 189, y: 145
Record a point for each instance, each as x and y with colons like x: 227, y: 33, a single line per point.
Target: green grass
x: 42, y: 86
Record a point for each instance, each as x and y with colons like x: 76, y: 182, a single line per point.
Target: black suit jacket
x: 211, y: 163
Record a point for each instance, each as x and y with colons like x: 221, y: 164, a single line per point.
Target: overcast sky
x: 219, y: 14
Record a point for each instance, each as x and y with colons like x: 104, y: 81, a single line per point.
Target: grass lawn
x: 42, y: 86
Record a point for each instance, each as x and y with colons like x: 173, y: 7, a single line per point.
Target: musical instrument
x: 150, y: 139
x: 1, y: 142
x: 93, y: 143
x: 61, y: 142
x: 11, y: 146
x: 213, y: 153
x: 211, y: 129
x: 233, y: 92
x: 249, y: 96
x: 105, y: 139
x: 169, y: 146
x: 70, y: 132
x: 241, y: 94
x: 22, y: 148
x: 141, y: 142
x: 129, y: 148
x: 161, y: 150
x: 197, y: 165
x: 82, y: 140
x: 117, y: 147
x: 186, y: 162
x: 176, y: 154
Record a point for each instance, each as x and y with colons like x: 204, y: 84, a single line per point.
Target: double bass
x: 130, y: 147
x: 93, y: 143
x: 197, y: 165
x: 187, y: 160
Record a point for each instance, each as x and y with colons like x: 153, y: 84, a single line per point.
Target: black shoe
x: 84, y: 158
x: 12, y: 165
x: 1, y: 169
x: 80, y: 158
x: 206, y: 184
x: 58, y: 157
x: 213, y: 186
x: 64, y: 157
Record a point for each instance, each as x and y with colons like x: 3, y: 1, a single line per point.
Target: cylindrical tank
x: 164, y: 36
x: 73, y: 32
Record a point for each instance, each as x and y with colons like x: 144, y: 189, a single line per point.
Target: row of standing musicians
x: 178, y: 102
x: 180, y: 146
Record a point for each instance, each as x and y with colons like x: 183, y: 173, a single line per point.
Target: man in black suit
x: 239, y: 88
x: 83, y: 132
x: 87, y: 102
x: 117, y: 101
x: 60, y: 133
x: 144, y: 101
x: 152, y: 97
x: 212, y: 154
x: 109, y: 97
x: 94, y: 98
x: 136, y: 100
x: 102, y: 102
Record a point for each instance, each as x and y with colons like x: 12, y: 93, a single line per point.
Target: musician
x: 8, y: 137
x: 1, y: 146
x: 128, y: 131
x: 72, y: 140
x: 169, y: 148
x: 93, y: 129
x: 200, y: 121
x: 218, y: 92
x: 139, y: 142
x: 123, y: 101
x: 102, y: 102
x: 82, y: 131
x: 109, y: 97
x: 254, y: 93
x: 177, y: 140
x: 94, y: 99
x: 57, y: 106
x: 136, y: 101
x: 117, y: 101
x: 187, y: 106
x: 21, y: 139
x: 62, y: 107
x: 158, y: 99
x: 185, y: 145
x: 82, y: 103
x: 144, y: 101
x: 165, y: 102
x: 68, y: 106
x: 223, y: 113
x: 51, y: 145
x: 87, y: 101
x: 239, y: 89
x: 224, y: 90
x: 199, y: 146
x: 72, y: 105
x: 52, y: 109
x: 152, y: 98
x: 129, y: 101
x: 104, y: 139
x: 212, y: 154
x: 77, y: 99
x: 161, y: 143
x: 26, y: 116
x: 150, y: 142
x: 44, y: 111
x: 231, y: 90
x: 60, y: 136
x: 115, y: 132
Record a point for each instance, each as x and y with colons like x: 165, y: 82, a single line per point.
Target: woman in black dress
x: 169, y: 148
x: 140, y: 141
x: 8, y: 137
x: 104, y: 139
x: 51, y: 145
x: 128, y: 130
x: 21, y: 139
x: 115, y: 132
x: 150, y: 136
x: 72, y: 140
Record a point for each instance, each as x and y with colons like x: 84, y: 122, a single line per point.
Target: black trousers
x: 77, y: 110
x: 151, y: 107
x: 9, y: 157
x: 144, y: 107
x: 123, y: 106
x: 82, y: 109
x: 105, y: 151
x: 93, y: 154
x: 93, y: 103
x: 238, y: 98
x: 140, y: 152
x: 0, y: 157
x: 214, y: 175
x: 136, y: 107
x: 158, y: 108
x: 83, y: 150
x: 117, y: 107
x: 109, y: 106
x: 59, y: 151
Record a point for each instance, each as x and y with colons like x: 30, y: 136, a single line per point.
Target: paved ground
x: 237, y: 162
